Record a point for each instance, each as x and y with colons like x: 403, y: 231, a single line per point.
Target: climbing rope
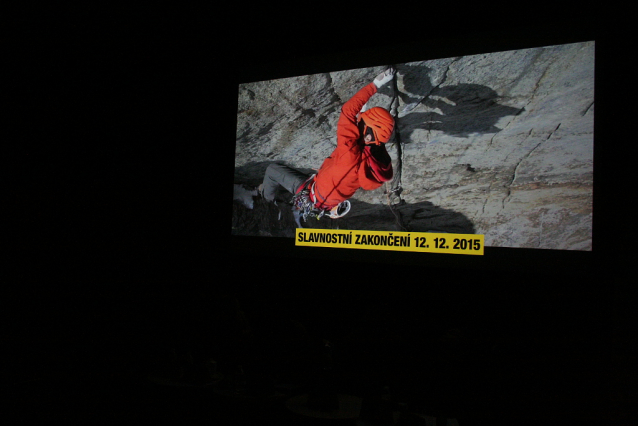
x: 395, y: 188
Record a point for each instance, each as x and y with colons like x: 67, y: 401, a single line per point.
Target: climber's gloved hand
x: 384, y: 77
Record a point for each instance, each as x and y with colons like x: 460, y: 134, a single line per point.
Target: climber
x: 359, y: 161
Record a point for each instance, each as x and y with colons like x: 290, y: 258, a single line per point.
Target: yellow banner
x: 428, y: 242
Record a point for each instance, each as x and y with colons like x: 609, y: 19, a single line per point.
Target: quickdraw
x: 301, y: 201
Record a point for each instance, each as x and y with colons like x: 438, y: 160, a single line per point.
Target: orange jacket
x: 345, y: 171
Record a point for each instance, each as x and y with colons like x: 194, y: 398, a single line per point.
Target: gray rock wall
x: 499, y: 144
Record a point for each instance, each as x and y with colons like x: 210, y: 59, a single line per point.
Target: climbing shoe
x: 340, y: 211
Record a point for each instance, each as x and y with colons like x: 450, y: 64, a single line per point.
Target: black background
x: 125, y: 141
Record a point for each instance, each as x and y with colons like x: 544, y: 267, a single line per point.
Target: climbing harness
x: 302, y: 201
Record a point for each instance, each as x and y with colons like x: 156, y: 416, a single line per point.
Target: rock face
x: 500, y: 144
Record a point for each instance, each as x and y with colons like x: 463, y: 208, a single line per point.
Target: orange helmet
x: 380, y: 121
